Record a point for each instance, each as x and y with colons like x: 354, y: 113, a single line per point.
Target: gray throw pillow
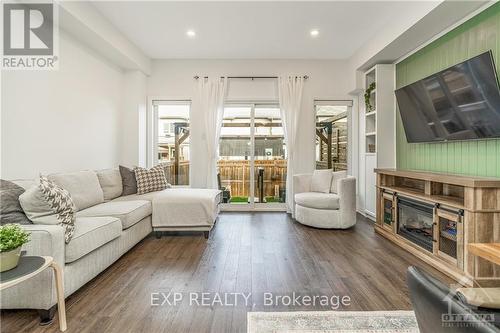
x: 10, y: 208
x: 128, y: 181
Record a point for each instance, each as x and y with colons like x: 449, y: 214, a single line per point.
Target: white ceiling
x: 258, y: 30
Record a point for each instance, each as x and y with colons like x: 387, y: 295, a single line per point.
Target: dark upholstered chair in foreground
x: 440, y: 310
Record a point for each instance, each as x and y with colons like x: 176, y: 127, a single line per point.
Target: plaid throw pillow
x: 61, y: 203
x: 150, y: 180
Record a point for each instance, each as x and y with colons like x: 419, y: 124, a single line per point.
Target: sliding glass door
x: 235, y: 155
x: 252, y: 157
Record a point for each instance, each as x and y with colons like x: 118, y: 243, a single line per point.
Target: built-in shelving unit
x: 371, y: 114
x: 378, y: 130
x: 435, y: 216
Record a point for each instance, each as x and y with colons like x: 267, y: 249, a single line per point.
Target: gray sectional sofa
x: 107, y: 226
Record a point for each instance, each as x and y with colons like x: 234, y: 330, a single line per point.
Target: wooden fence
x: 235, y: 175
x: 183, y: 178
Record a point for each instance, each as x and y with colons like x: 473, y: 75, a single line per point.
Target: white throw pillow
x: 321, y: 181
x: 337, y: 175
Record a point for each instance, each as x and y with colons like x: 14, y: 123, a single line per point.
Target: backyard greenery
x: 272, y: 199
x: 239, y: 199
x: 268, y: 199
x: 12, y: 237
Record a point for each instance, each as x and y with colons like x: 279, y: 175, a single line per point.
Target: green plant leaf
x: 12, y: 236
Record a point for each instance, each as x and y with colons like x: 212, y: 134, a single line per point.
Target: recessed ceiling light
x: 191, y: 33
x: 314, y: 32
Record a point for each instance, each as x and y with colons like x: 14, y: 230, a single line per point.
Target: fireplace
x: 415, y: 222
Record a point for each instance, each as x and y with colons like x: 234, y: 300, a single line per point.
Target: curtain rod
x: 196, y: 77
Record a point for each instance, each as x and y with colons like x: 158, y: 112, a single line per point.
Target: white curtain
x: 209, y: 100
x: 290, y: 96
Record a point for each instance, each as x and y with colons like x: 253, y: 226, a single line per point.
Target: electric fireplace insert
x: 415, y: 222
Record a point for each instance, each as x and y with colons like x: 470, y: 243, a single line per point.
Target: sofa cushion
x: 83, y: 186
x: 129, y: 212
x: 111, y: 183
x: 90, y: 234
x: 337, y: 175
x: 321, y: 181
x: 146, y: 196
x: 318, y: 200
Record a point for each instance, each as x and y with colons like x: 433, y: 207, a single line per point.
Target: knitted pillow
x: 61, y: 203
x: 150, y: 180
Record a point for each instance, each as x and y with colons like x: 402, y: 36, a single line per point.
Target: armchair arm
x: 302, y: 183
x: 46, y: 240
x: 347, y: 193
x: 39, y: 291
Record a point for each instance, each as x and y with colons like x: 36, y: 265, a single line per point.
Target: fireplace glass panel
x: 415, y: 222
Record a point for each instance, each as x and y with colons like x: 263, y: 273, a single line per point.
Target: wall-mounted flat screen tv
x: 458, y: 103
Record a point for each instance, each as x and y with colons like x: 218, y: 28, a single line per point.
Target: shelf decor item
x: 12, y: 237
x: 368, y: 92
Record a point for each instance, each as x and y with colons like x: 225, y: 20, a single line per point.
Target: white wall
x: 133, y: 136
x: 62, y: 120
x: 173, y: 79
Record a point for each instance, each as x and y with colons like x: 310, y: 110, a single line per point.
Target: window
x: 331, y: 135
x: 171, y: 148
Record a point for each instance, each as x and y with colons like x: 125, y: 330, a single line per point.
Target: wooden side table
x: 30, y: 266
x: 488, y: 251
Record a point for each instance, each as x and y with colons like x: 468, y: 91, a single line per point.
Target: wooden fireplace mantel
x: 471, y: 203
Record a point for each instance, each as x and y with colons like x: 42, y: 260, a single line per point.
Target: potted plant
x: 12, y: 237
x: 368, y: 92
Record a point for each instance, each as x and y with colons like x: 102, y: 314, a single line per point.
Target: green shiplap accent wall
x: 480, y: 157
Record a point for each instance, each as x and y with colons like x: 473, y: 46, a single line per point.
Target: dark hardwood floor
x: 247, y: 253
